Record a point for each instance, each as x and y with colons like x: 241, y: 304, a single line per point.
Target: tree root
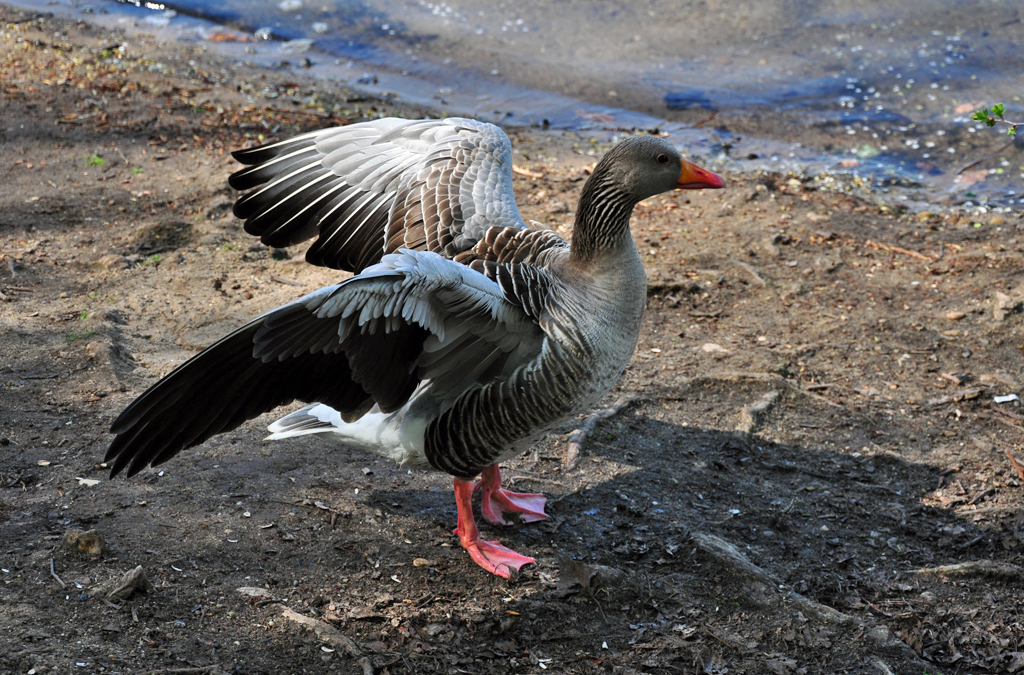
x: 329, y: 633
x: 730, y: 556
x: 984, y: 569
x: 766, y: 592
x: 740, y: 375
x: 578, y: 437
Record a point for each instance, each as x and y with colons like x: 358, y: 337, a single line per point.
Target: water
x: 875, y: 88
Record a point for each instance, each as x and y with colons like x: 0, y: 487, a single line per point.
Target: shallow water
x: 877, y: 88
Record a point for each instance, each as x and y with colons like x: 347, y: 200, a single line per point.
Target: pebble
x: 955, y: 316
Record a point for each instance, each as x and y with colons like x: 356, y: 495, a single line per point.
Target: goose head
x: 635, y: 169
x: 644, y: 166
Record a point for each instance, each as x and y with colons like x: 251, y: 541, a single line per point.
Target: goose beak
x: 692, y: 177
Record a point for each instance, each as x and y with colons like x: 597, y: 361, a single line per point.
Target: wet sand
x: 881, y: 91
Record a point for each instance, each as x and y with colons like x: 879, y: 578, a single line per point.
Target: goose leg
x: 490, y: 555
x: 494, y: 501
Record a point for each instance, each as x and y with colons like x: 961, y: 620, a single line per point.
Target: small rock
x: 996, y: 220
x: 880, y: 635
x: 91, y: 543
x: 927, y: 596
x: 1004, y: 305
x: 955, y: 316
x: 280, y: 254
x: 132, y: 581
x: 1016, y: 662
x: 712, y: 348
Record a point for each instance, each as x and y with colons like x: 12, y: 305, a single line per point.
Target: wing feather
x: 354, y: 346
x: 369, y: 189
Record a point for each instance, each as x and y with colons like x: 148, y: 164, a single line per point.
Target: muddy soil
x: 807, y: 471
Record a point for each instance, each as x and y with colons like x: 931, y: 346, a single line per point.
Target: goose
x: 463, y: 335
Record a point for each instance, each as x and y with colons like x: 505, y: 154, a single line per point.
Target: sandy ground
x: 808, y: 473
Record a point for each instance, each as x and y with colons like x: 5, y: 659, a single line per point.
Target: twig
x: 1006, y: 420
x: 282, y: 280
x: 28, y: 20
x: 526, y: 475
x: 311, y: 113
x: 268, y: 601
x: 1016, y: 464
x: 526, y: 172
x: 981, y: 495
x: 205, y: 670
x: 579, y: 436
x: 900, y: 250
x: 707, y: 119
x: 54, y: 575
x: 976, y: 162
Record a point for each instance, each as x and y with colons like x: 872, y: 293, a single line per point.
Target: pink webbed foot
x: 490, y: 555
x: 494, y: 501
x: 494, y: 557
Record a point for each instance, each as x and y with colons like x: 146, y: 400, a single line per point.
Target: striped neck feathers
x: 602, y: 217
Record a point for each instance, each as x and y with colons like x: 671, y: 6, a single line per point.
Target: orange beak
x: 692, y: 177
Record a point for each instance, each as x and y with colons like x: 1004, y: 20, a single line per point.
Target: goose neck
x: 602, y: 218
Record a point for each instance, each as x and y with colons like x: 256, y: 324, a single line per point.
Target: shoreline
x: 921, y: 161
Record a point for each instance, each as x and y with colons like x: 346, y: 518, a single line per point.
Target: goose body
x: 463, y: 337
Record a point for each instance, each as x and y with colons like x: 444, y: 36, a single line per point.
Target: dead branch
x: 985, y: 569
x: 54, y: 575
x: 579, y: 436
x: 1016, y: 465
x: 752, y: 416
x: 729, y: 556
x: 329, y: 633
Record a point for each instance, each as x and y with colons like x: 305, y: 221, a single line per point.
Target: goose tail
x: 316, y: 418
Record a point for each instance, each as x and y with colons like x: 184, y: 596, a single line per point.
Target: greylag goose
x: 464, y: 335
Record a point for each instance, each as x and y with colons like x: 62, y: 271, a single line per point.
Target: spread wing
x: 369, y: 341
x: 371, y: 188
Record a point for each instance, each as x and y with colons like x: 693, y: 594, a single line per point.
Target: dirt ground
x: 808, y: 474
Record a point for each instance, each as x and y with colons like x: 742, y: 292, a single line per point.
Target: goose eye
x: 662, y: 159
